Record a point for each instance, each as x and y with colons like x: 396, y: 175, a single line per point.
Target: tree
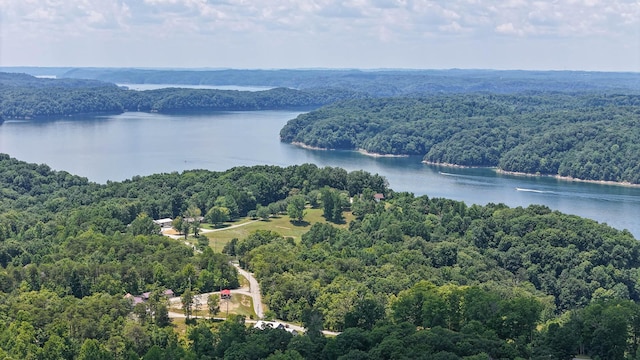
x: 213, y: 303
x: 217, y: 215
x: 332, y: 203
x: 202, y: 341
x: 296, y: 207
x: 92, y: 350
x: 192, y: 216
x: 181, y: 226
x: 187, y: 303
x: 144, y: 225
x: 161, y: 317
x: 263, y: 212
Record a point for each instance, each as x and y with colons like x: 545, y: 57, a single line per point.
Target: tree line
x: 23, y: 96
x: 584, y: 136
x: 378, y: 83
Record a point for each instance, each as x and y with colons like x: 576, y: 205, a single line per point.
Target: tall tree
x: 187, y: 303
x: 213, y: 303
x: 296, y: 207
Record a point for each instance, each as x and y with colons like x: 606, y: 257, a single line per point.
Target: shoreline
x: 495, y: 169
x: 516, y: 173
x: 568, y: 178
x: 378, y: 155
x: 361, y: 151
x: 426, y: 162
x: 309, y: 147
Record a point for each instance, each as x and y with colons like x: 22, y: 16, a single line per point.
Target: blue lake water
x: 121, y: 146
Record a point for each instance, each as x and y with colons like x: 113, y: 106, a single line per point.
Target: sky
x: 595, y: 35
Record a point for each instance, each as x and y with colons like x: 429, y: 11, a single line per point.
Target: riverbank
x: 454, y: 165
x: 567, y: 178
x: 361, y: 151
x: 517, y: 173
x: 305, y: 146
x: 378, y: 155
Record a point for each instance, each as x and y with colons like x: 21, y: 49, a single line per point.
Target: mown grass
x: 281, y: 224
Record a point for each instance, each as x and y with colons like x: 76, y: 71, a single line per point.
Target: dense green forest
x: 376, y: 83
x: 24, y: 96
x: 586, y: 136
x: 410, y: 277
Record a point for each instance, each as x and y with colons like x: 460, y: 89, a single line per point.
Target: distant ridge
x: 375, y: 82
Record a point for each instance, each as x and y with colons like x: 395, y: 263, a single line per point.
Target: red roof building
x: 225, y: 294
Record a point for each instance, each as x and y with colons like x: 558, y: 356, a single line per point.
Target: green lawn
x: 281, y: 225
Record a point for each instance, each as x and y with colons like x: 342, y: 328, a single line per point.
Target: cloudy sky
x: 599, y: 35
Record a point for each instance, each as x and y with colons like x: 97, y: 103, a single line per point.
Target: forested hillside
x: 410, y: 277
x: 380, y: 82
x: 24, y: 96
x: 585, y: 136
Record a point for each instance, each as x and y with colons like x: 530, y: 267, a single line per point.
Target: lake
x: 119, y: 147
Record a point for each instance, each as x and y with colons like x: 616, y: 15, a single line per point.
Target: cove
x: 118, y: 147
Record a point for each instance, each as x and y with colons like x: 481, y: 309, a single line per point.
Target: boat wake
x: 534, y: 191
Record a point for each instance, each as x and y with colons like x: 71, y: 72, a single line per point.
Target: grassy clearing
x: 282, y: 225
x: 239, y: 304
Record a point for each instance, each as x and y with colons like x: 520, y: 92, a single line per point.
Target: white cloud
x: 334, y: 24
x: 509, y: 29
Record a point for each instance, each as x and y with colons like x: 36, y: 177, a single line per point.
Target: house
x: 378, y: 197
x: 145, y: 296
x: 135, y: 300
x: 274, y: 325
x: 164, y: 223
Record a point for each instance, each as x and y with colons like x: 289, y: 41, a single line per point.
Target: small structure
x: 164, y: 223
x: 378, y: 197
x: 135, y: 300
x: 274, y: 325
x: 146, y: 295
x: 225, y: 294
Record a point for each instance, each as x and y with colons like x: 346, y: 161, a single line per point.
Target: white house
x: 164, y: 223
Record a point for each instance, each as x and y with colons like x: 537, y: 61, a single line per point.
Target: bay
x: 118, y: 147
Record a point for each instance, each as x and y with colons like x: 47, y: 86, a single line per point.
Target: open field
x: 239, y: 304
x: 280, y: 224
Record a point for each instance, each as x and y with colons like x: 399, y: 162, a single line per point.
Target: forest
x: 374, y: 82
x: 406, y: 277
x: 585, y: 135
x: 26, y: 97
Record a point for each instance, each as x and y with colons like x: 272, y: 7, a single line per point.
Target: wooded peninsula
x: 583, y: 136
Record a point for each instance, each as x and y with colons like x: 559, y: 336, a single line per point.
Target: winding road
x: 254, y: 290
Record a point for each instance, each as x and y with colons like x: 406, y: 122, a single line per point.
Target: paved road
x: 254, y: 290
x: 204, y: 231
